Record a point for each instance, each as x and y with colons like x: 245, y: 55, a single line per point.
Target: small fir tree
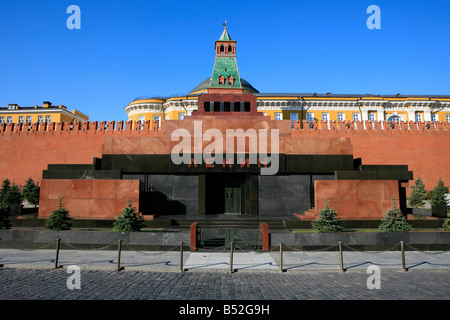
x: 59, y: 218
x: 4, y: 216
x: 418, y: 194
x: 394, y: 220
x: 446, y: 224
x: 129, y: 220
x: 327, y: 220
x: 437, y: 197
x: 13, y: 196
x: 6, y: 185
x: 31, y: 192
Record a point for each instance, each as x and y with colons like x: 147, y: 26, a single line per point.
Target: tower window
x: 230, y: 80
x: 222, y: 49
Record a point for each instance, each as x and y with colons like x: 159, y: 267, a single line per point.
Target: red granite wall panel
x: 88, y: 199
x: 356, y: 199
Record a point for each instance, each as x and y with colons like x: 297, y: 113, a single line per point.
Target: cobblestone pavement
x: 51, y: 284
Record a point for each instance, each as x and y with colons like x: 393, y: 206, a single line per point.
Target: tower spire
x: 225, y: 73
x: 225, y: 35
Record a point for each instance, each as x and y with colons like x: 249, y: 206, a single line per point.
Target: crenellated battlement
x: 153, y: 128
x: 89, y: 127
x: 355, y: 127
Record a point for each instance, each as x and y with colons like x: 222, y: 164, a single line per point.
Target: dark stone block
x: 106, y: 174
x: 439, y: 211
x: 272, y: 207
x: 421, y: 212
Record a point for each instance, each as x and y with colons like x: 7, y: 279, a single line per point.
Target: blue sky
x: 127, y: 49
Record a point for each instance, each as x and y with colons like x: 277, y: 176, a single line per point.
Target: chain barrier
x: 150, y: 254
x: 31, y: 249
x: 425, y: 251
x: 318, y: 250
x: 370, y: 252
x: 95, y: 249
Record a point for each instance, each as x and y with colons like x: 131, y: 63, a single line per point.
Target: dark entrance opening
x: 225, y: 193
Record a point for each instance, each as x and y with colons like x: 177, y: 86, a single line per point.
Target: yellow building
x: 327, y: 107
x: 46, y: 113
x: 299, y: 106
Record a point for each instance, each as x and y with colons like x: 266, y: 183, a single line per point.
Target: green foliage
x: 394, y: 220
x: 418, y: 194
x: 437, y: 196
x: 4, y: 216
x: 12, y: 195
x: 31, y: 192
x: 6, y: 185
x: 129, y: 220
x: 446, y: 224
x: 327, y: 220
x: 59, y: 218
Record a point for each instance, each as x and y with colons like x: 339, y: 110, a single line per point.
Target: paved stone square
x: 30, y: 275
x: 51, y: 284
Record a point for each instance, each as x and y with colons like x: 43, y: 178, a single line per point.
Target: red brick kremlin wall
x: 425, y: 151
x: 26, y: 151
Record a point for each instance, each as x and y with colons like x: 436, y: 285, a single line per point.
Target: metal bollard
x: 58, y: 241
x: 281, y: 257
x: 119, y: 249
x: 403, y: 256
x: 181, y: 257
x: 231, y: 257
x: 341, y: 256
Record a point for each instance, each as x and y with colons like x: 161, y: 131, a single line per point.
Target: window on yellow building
x: 28, y: 119
x: 157, y: 118
x: 48, y: 119
x: 310, y: 116
x: 372, y: 116
x: 2, y: 120
x: 447, y: 117
x: 434, y: 117
x: 419, y: 116
x: 40, y: 119
x: 21, y: 120
x: 9, y: 119
x: 294, y: 117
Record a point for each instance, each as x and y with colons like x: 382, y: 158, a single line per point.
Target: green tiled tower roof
x: 225, y: 35
x: 225, y: 65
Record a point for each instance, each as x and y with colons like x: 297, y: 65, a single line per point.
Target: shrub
x: 59, y: 218
x: 31, y: 192
x: 6, y: 185
x: 394, y: 220
x: 446, y: 224
x: 418, y: 194
x: 129, y: 220
x: 13, y: 196
x: 438, y: 194
x: 4, y: 216
x: 327, y: 220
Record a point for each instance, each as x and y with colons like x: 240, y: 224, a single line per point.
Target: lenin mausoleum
x: 227, y: 149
